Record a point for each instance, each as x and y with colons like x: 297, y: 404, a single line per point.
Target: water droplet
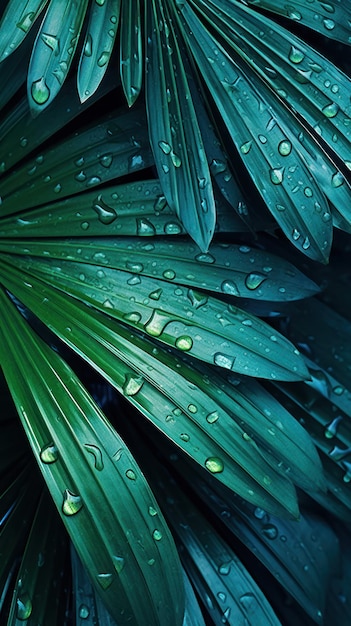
x: 296, y: 55
x: 339, y: 453
x: 165, y: 147
x: 97, y: 454
x: 106, y: 160
x: 106, y: 214
x: 254, y: 280
x: 104, y: 580
x: 214, y: 465
x: 157, y: 535
x: 131, y: 474
x: 118, y: 562
x: 184, y: 343
x: 247, y: 600
x: 224, y: 360
x: 330, y: 110
x: 145, y: 228
x: 133, y: 317
x: 71, y: 503
x: 152, y: 511
x: 329, y: 24
x: 217, y: 167
x: 296, y: 235
x: 229, y: 287
x: 284, y: 147
x: 197, y: 298
x: 103, y: 59
x: 84, y: 611
x: 262, y: 138
x: 49, y: 453
x: 338, y: 390
x: 57, y: 188
x: 205, y: 258
x: 192, y: 408
x: 176, y: 160
x: 337, y: 180
x: 40, y: 91
x: 172, y: 228
x: 259, y: 513
x: 224, y: 569
x: 332, y: 427
x: 185, y: 437
x: 221, y: 596
x: 132, y: 384
x: 26, y: 22
x: 93, y: 180
x: 107, y: 304
x: 155, y: 295
x: 212, y: 417
x: 246, y: 147
x: 156, y: 324
x: 169, y: 274
x: 24, y: 606
x: 347, y: 476
x: 276, y: 175
x: 226, y: 615
x: 80, y: 177
x: 294, y: 14
x: 270, y: 531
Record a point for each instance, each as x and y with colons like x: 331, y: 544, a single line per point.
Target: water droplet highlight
x: 49, y: 453
x: 214, y: 465
x: 72, y: 503
x: 24, y: 606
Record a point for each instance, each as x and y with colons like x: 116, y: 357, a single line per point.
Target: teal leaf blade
x: 16, y: 22
x: 98, y: 46
x: 174, y: 131
x: 131, y: 50
x: 53, y: 52
x: 261, y: 140
x: 191, y: 321
x: 117, y: 538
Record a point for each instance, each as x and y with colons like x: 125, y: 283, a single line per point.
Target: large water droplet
x: 71, y: 503
x: 145, y: 228
x: 229, y: 287
x: 52, y: 42
x: 270, y: 531
x: 157, y: 535
x: 24, y: 606
x: 131, y: 474
x: 197, y: 298
x: 254, y: 280
x: 337, y: 180
x: 246, y: 147
x: 212, y: 417
x: 184, y: 343
x: 296, y: 55
x: 165, y: 147
x: 330, y: 110
x: 97, y: 455
x: 118, y: 562
x: 276, y: 175
x: 156, y: 324
x: 329, y: 24
x: 284, y: 147
x: 132, y: 384
x: 49, y: 453
x: 106, y: 160
x: 40, y: 91
x: 247, y: 600
x: 106, y: 214
x: 224, y: 360
x: 332, y: 427
x: 224, y: 569
x: 214, y: 465
x: 103, y: 59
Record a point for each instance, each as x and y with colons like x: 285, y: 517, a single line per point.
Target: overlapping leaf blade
x: 262, y: 141
x: 53, y: 51
x: 15, y: 23
x: 103, y: 498
x: 156, y: 379
x: 191, y: 321
x: 131, y: 50
x: 98, y: 45
x: 174, y: 131
x: 233, y: 270
x: 331, y: 18
x: 39, y: 590
x: 117, y: 147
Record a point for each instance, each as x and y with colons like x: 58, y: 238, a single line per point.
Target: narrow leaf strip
x: 16, y: 22
x: 131, y: 50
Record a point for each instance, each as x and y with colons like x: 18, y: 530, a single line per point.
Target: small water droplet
x: 157, y: 535
x: 214, y: 465
x: 296, y: 55
x: 152, y: 511
x: 259, y: 513
x: 71, y: 503
x: 106, y: 160
x: 270, y: 531
x: 104, y: 580
x: 212, y: 417
x: 97, y: 455
x: 131, y: 474
x: 246, y: 147
x: 224, y: 569
x: 176, y: 160
x: 332, y: 427
x: 184, y: 343
x: 284, y: 147
x: 262, y: 139
x: 277, y: 175
x: 165, y: 147
x: 156, y: 323
x: 226, y: 615
x: 133, y: 317
x: 205, y: 258
x: 49, y: 453
x: 247, y: 600
x: 40, y: 91
x: 329, y: 24
x: 294, y: 14
x: 254, y: 280
x: 185, y: 437
x: 106, y: 214
x: 337, y: 180
x: 132, y: 384
x: 295, y: 234
x: 330, y: 110
x: 24, y: 606
x: 169, y: 274
x: 118, y: 562
x: 221, y: 596
x: 224, y: 360
x: 84, y: 611
x: 145, y: 228
x: 229, y: 287
x: 217, y: 167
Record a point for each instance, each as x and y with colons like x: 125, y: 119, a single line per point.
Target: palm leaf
x: 102, y: 498
x: 16, y: 22
x: 131, y: 50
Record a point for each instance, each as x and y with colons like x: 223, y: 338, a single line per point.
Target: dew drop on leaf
x: 72, y: 503
x: 104, y: 580
x: 49, y: 453
x: 40, y: 91
x: 254, y: 280
x: 184, y: 343
x: 214, y: 465
x: 157, y: 535
x: 24, y: 606
x: 84, y: 611
x: 97, y: 455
